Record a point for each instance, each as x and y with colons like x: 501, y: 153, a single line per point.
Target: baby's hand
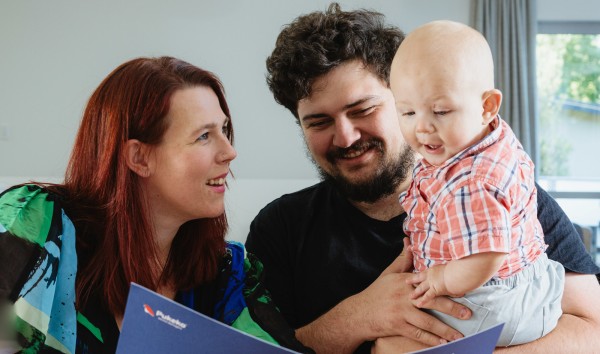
x: 428, y: 285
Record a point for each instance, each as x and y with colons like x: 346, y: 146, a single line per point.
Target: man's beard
x: 384, y: 181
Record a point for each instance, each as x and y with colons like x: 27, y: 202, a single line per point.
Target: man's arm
x: 383, y: 309
x: 578, y: 328
x: 564, y: 243
x: 576, y: 332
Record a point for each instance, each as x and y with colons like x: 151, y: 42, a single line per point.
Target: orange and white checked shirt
x: 482, y: 199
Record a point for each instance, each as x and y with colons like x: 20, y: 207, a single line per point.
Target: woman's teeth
x: 216, y: 182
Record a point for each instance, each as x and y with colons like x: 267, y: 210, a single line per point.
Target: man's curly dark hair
x: 315, y: 43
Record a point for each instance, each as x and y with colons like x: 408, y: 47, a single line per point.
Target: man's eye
x: 365, y: 112
x: 410, y: 113
x: 317, y: 124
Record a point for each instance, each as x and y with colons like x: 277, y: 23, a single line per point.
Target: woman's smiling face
x: 190, y: 164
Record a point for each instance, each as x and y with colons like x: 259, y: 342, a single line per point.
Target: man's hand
x: 383, y: 309
x: 388, y: 310
x: 388, y: 300
x: 396, y: 345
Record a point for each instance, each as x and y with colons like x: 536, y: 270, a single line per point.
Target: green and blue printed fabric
x: 39, y: 264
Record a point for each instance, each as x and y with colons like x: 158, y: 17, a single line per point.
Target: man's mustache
x: 362, y: 145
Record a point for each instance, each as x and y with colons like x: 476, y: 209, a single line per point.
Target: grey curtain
x: 510, y: 27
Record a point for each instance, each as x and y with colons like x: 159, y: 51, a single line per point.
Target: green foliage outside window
x: 581, y: 69
x: 568, y: 68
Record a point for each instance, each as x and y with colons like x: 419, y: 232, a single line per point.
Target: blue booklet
x: 482, y: 342
x: 155, y: 324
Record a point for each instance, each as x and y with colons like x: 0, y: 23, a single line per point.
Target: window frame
x: 567, y: 27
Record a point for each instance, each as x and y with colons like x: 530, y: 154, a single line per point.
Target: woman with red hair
x: 142, y: 201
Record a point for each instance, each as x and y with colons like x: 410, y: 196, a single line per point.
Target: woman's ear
x: 491, y: 105
x: 137, y: 156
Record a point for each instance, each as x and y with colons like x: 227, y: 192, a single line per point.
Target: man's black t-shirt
x: 318, y: 249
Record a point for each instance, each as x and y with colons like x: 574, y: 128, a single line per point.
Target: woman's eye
x: 203, y: 137
x: 408, y: 113
x: 441, y: 113
x: 225, y: 129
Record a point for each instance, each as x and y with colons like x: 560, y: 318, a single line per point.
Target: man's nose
x: 346, y: 133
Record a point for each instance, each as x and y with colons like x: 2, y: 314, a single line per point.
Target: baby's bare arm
x: 466, y: 274
x: 456, y: 277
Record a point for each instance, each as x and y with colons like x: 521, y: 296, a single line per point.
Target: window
x: 568, y: 82
x: 569, y: 104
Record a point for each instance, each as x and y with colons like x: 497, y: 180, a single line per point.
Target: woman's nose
x: 227, y: 153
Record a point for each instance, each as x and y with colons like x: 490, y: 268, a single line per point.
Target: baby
x: 471, y: 207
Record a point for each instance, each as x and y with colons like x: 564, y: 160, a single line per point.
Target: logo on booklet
x: 148, y: 310
x: 170, y: 320
x: 161, y: 316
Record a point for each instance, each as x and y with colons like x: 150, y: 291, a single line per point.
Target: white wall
x: 54, y: 53
x: 572, y: 10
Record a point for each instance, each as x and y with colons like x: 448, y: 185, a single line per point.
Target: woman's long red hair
x: 103, y: 197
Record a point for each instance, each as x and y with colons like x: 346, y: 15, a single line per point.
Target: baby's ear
x: 491, y: 105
